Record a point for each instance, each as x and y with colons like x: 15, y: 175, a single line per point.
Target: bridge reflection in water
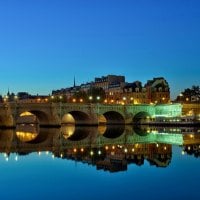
x: 109, y: 148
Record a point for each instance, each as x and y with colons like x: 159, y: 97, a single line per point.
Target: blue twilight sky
x: 44, y: 43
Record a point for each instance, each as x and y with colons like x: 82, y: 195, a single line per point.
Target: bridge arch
x: 76, y: 117
x: 113, y: 118
x: 80, y: 133
x: 114, y: 131
x: 141, y: 117
x: 32, y: 135
x: 33, y: 116
x: 141, y: 131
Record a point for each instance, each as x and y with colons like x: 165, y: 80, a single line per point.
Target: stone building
x: 119, y: 92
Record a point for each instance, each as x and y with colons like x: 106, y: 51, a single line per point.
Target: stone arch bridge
x: 51, y: 114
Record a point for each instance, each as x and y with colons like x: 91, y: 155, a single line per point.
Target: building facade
x: 118, y: 91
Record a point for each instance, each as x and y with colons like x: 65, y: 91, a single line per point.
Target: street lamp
x: 90, y: 98
x: 60, y: 97
x: 124, y: 100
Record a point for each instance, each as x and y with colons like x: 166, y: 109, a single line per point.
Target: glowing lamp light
x: 125, y: 150
x: 75, y: 150
x: 124, y: 98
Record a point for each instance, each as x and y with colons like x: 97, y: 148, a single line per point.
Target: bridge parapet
x: 51, y: 114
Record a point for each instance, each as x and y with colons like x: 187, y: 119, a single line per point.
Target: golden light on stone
x: 102, y: 129
x: 26, y: 136
x: 26, y: 114
x: 67, y: 131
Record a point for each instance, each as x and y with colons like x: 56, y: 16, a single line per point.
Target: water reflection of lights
x: 67, y: 131
x: 16, y: 158
x: 26, y: 136
x: 102, y: 129
x: 27, y: 132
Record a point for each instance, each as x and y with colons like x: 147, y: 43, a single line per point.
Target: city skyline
x: 45, y: 44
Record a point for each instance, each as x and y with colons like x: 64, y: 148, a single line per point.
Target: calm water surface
x: 100, y: 163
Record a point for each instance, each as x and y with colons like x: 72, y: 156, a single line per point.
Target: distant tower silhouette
x: 74, y: 82
x: 8, y: 93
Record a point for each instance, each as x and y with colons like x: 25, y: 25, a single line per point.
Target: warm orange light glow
x: 75, y: 150
x: 26, y: 136
x: 26, y: 114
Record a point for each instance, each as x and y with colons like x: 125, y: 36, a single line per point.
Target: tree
x: 190, y: 95
x: 96, y: 95
x: 80, y: 96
